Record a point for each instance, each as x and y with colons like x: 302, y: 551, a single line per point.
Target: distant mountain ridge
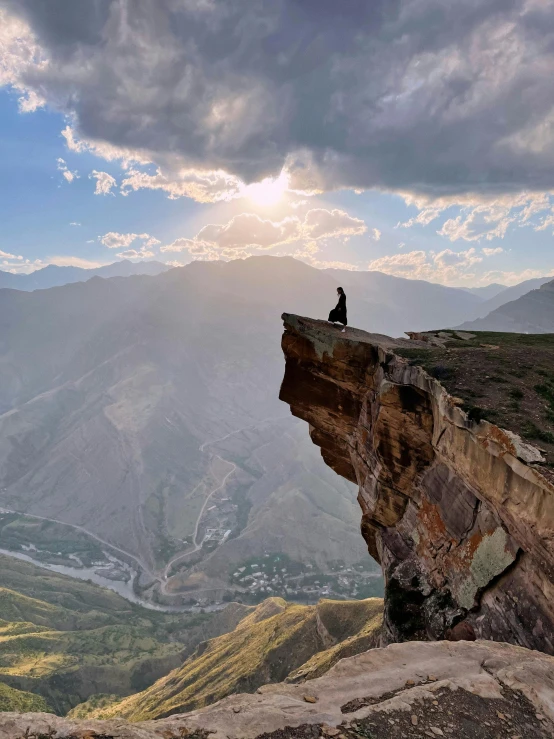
x: 145, y: 410
x: 488, y: 291
x: 508, y: 295
x: 54, y: 276
x: 532, y: 313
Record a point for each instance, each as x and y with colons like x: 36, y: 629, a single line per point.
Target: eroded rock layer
x: 459, y: 514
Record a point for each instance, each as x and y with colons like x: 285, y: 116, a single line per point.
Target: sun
x: 268, y: 191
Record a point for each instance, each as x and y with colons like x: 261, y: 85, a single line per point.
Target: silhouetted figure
x: 338, y: 314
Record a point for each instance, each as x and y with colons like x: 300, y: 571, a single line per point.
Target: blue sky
x: 102, y: 162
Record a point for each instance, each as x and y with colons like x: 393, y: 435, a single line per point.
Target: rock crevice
x: 459, y: 513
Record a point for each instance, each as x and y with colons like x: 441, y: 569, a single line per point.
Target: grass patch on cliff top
x: 507, y: 379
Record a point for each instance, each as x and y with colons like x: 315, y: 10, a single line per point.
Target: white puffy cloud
x: 417, y: 95
x: 66, y: 172
x: 447, y: 267
x: 449, y: 258
x: 104, y: 182
x: 492, y: 252
x: 320, y: 223
x: 201, y: 185
x: 143, y: 253
x: 115, y: 240
x: 248, y: 231
x: 483, y: 217
x: 6, y: 255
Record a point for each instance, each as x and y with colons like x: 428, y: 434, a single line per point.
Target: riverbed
x: 124, y: 589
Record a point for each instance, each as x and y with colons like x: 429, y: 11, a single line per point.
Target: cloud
x: 320, y: 223
x: 376, y: 234
x: 67, y: 173
x: 104, y: 182
x: 492, y: 252
x: 202, y: 186
x: 446, y: 267
x: 74, y: 223
x: 403, y: 96
x: 115, y: 240
x: 6, y: 255
x: 248, y: 231
x: 483, y: 217
x: 144, y: 253
x: 513, y: 278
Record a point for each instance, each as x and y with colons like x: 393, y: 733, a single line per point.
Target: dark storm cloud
x: 422, y: 95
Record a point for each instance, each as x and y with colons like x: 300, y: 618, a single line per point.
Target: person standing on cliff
x: 338, y: 314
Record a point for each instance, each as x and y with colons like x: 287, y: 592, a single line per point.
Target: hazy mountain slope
x: 533, y: 313
x: 399, y: 304
x: 67, y: 639
x: 487, y: 292
x: 54, y: 276
x: 114, y: 393
x: 508, y: 295
x: 265, y: 647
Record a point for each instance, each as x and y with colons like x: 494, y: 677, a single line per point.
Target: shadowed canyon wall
x: 459, y: 514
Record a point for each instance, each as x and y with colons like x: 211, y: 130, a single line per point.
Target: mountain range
x: 507, y: 295
x: 532, y: 313
x: 54, y: 276
x: 142, y: 412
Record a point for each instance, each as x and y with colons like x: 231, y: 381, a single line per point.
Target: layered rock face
x: 459, y: 514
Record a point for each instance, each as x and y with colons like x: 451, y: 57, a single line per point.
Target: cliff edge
x: 458, y: 511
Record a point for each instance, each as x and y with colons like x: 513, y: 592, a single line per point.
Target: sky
x: 414, y: 137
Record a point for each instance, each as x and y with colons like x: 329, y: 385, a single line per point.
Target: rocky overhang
x: 459, y: 512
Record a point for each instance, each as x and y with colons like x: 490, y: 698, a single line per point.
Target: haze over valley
x: 276, y: 369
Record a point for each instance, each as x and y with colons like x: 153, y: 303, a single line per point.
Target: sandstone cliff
x: 459, y: 513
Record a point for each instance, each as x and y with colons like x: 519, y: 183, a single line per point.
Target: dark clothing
x: 339, y: 313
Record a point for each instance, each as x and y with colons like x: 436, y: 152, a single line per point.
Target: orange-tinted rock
x: 459, y: 514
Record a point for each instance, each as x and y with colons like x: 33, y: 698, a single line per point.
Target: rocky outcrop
x: 440, y: 687
x: 459, y: 513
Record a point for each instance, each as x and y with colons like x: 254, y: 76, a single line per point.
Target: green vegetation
x: 51, y: 542
x: 503, y: 378
x: 269, y: 644
x: 356, y: 624
x: 66, y: 639
x: 95, y: 704
x: 20, y: 701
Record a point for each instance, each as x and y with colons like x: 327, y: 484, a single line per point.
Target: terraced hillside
x: 64, y: 640
x: 269, y: 644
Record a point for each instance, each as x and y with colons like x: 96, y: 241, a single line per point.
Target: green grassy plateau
x: 507, y: 379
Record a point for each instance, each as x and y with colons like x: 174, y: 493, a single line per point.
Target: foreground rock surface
x: 459, y: 513
x: 448, y: 687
